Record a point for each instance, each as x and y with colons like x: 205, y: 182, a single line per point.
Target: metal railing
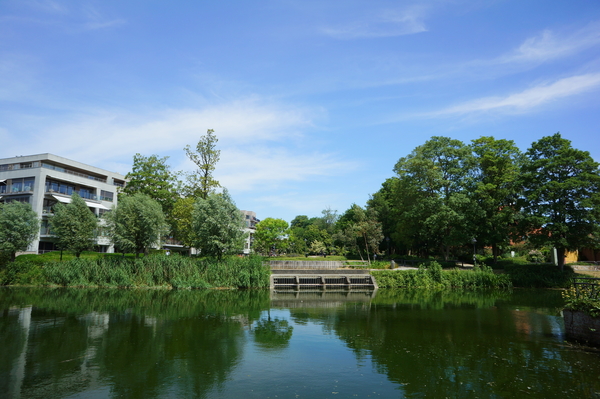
x: 587, y: 287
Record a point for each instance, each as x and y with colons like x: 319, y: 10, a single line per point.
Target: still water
x: 78, y: 343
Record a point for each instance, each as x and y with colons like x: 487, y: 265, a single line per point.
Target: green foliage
x: 74, y: 225
x: 584, y: 299
x: 432, y: 201
x: 539, y: 276
x: 22, y: 273
x: 236, y: 272
x: 535, y: 256
x: 270, y: 236
x: 171, y: 271
x: 561, y: 195
x: 136, y: 224
x: 496, y: 188
x: 218, y: 226
x: 19, y: 226
x: 432, y: 276
x: 182, y: 221
x: 201, y: 183
x: 152, y: 176
x: 359, y: 232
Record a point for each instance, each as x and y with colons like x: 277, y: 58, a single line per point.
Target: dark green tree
x: 383, y: 203
x: 432, y: 194
x: 496, y: 187
x: 218, y: 226
x: 19, y: 226
x: 137, y: 224
x: 153, y: 177
x: 201, y: 182
x: 74, y: 226
x: 561, y: 198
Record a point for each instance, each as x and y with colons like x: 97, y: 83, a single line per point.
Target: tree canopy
x: 201, y: 182
x: 136, y: 224
x: 270, y: 236
x: 19, y: 227
x: 218, y: 225
x: 74, y: 225
x: 561, y: 196
x: 152, y: 176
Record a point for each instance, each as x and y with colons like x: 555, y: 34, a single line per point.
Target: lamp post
x: 474, y: 241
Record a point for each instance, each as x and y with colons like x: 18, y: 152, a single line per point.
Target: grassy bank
x: 149, y: 271
x: 433, y: 276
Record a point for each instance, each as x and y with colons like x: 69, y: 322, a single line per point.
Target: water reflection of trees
x: 272, y: 333
x: 140, y: 343
x: 456, y: 352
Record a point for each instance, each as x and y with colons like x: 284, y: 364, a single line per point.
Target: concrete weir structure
x: 319, y: 274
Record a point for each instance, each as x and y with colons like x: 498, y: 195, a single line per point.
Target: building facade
x: 251, y: 221
x: 43, y: 180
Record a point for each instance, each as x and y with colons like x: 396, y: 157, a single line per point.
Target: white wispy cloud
x: 386, y: 23
x: 549, y: 45
x: 92, y: 135
x: 262, y: 144
x: 247, y: 168
x: 529, y: 98
x: 96, y: 20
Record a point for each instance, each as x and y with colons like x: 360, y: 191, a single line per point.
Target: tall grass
x: 433, y: 276
x: 150, y: 271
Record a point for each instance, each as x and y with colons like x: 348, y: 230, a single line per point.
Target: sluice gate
x: 301, y: 281
x: 299, y: 275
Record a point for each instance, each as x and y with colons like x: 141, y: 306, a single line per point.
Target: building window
x: 18, y: 198
x: 106, y: 195
x: 23, y: 185
x: 53, y: 186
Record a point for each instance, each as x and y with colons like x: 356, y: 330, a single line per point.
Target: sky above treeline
x: 313, y: 102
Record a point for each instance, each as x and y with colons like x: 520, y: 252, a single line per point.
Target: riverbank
x: 157, y: 271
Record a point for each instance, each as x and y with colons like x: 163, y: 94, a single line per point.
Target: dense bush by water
x: 540, y: 276
x: 433, y: 276
x: 149, y: 271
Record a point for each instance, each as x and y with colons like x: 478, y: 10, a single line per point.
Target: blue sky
x: 313, y: 102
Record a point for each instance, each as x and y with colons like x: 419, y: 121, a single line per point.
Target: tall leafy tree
x: 270, y: 235
x: 74, y: 225
x: 383, y: 203
x: 19, y: 226
x: 561, y: 195
x: 182, y: 221
x: 201, y: 182
x: 359, y: 231
x: 137, y: 224
x: 435, y: 201
x: 218, y: 225
x: 496, y: 187
x: 153, y: 177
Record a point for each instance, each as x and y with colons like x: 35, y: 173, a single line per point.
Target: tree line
x: 448, y: 197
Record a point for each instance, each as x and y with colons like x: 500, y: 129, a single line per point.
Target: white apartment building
x: 43, y: 180
x: 251, y: 221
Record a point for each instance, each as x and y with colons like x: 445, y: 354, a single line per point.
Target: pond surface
x: 80, y: 343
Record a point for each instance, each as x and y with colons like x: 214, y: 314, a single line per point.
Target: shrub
x: 432, y: 276
x: 539, y: 276
x: 585, y: 299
